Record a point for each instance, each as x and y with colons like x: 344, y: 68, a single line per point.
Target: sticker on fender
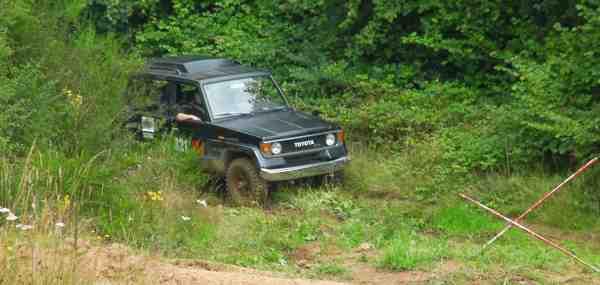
x: 181, y: 144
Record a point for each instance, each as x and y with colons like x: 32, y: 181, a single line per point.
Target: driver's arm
x: 182, y: 117
x: 184, y: 113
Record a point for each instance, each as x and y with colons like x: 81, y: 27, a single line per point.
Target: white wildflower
x: 24, y: 227
x: 11, y: 217
x: 185, y: 218
x: 60, y: 225
x: 4, y: 210
x: 283, y: 262
x: 202, y: 203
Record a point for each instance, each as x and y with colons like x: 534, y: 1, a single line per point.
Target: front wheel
x: 245, y: 187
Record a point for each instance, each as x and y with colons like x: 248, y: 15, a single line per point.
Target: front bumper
x: 301, y: 171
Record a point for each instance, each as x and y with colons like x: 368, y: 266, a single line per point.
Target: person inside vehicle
x: 185, y: 111
x: 183, y: 117
x: 181, y: 98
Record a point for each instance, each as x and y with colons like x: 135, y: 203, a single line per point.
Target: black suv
x: 237, y: 119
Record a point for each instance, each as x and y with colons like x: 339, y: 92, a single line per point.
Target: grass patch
x: 408, y: 251
x: 516, y: 251
x: 55, y: 264
x: 331, y: 269
x: 464, y: 221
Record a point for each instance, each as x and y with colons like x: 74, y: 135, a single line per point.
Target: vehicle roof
x: 199, y: 68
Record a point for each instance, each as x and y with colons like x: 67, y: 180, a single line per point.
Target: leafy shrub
x: 36, y: 110
x: 558, y: 97
x: 500, y: 84
x: 64, y: 83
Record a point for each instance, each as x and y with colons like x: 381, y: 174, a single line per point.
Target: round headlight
x: 330, y: 139
x: 276, y: 148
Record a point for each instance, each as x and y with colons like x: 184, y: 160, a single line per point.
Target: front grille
x: 303, y: 159
x: 303, y: 144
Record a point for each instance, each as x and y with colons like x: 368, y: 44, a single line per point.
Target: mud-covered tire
x: 245, y: 187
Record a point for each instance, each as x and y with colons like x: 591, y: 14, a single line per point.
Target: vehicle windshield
x: 243, y: 96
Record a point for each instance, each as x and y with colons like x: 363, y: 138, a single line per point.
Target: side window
x: 188, y: 96
x: 146, y: 94
x: 186, y: 93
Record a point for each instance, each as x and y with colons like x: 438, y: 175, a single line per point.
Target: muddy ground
x: 117, y: 264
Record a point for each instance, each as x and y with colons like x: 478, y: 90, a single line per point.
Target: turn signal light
x: 340, y: 136
x: 265, y: 148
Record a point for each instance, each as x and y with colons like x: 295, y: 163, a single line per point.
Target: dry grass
x: 38, y: 216
x: 37, y: 257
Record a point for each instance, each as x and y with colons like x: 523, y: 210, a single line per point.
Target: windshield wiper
x: 232, y: 114
x: 265, y: 110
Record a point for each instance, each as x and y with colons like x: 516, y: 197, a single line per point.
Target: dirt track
x: 110, y: 264
x: 107, y: 264
x: 116, y: 265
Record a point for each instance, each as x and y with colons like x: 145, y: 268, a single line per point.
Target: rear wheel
x: 245, y: 187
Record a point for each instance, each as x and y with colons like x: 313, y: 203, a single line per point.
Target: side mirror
x: 148, y: 127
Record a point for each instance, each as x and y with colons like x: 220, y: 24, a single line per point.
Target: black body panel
x: 277, y: 125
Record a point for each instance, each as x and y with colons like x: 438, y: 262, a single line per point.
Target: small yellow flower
x: 67, y: 92
x: 155, y: 196
x: 67, y: 201
x: 75, y: 99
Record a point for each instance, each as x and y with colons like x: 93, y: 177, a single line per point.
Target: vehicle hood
x: 276, y: 125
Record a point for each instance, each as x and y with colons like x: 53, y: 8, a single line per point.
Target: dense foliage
x: 498, y: 83
x: 495, y: 84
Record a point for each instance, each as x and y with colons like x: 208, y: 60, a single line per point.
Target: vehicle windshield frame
x: 209, y: 103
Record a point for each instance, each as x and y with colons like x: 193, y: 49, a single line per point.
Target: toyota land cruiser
x: 241, y: 124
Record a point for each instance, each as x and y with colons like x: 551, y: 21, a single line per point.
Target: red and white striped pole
x: 527, y: 230
x: 541, y: 200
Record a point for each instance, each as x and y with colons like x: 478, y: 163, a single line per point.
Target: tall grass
x: 408, y: 251
x: 41, y: 214
x: 105, y: 198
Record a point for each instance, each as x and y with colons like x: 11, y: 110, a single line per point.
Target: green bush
x: 36, y: 110
x: 500, y: 84
x: 62, y: 84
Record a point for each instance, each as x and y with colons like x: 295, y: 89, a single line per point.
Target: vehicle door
x: 190, y: 133
x: 148, y: 100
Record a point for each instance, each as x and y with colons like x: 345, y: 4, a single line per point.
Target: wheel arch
x: 233, y: 154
